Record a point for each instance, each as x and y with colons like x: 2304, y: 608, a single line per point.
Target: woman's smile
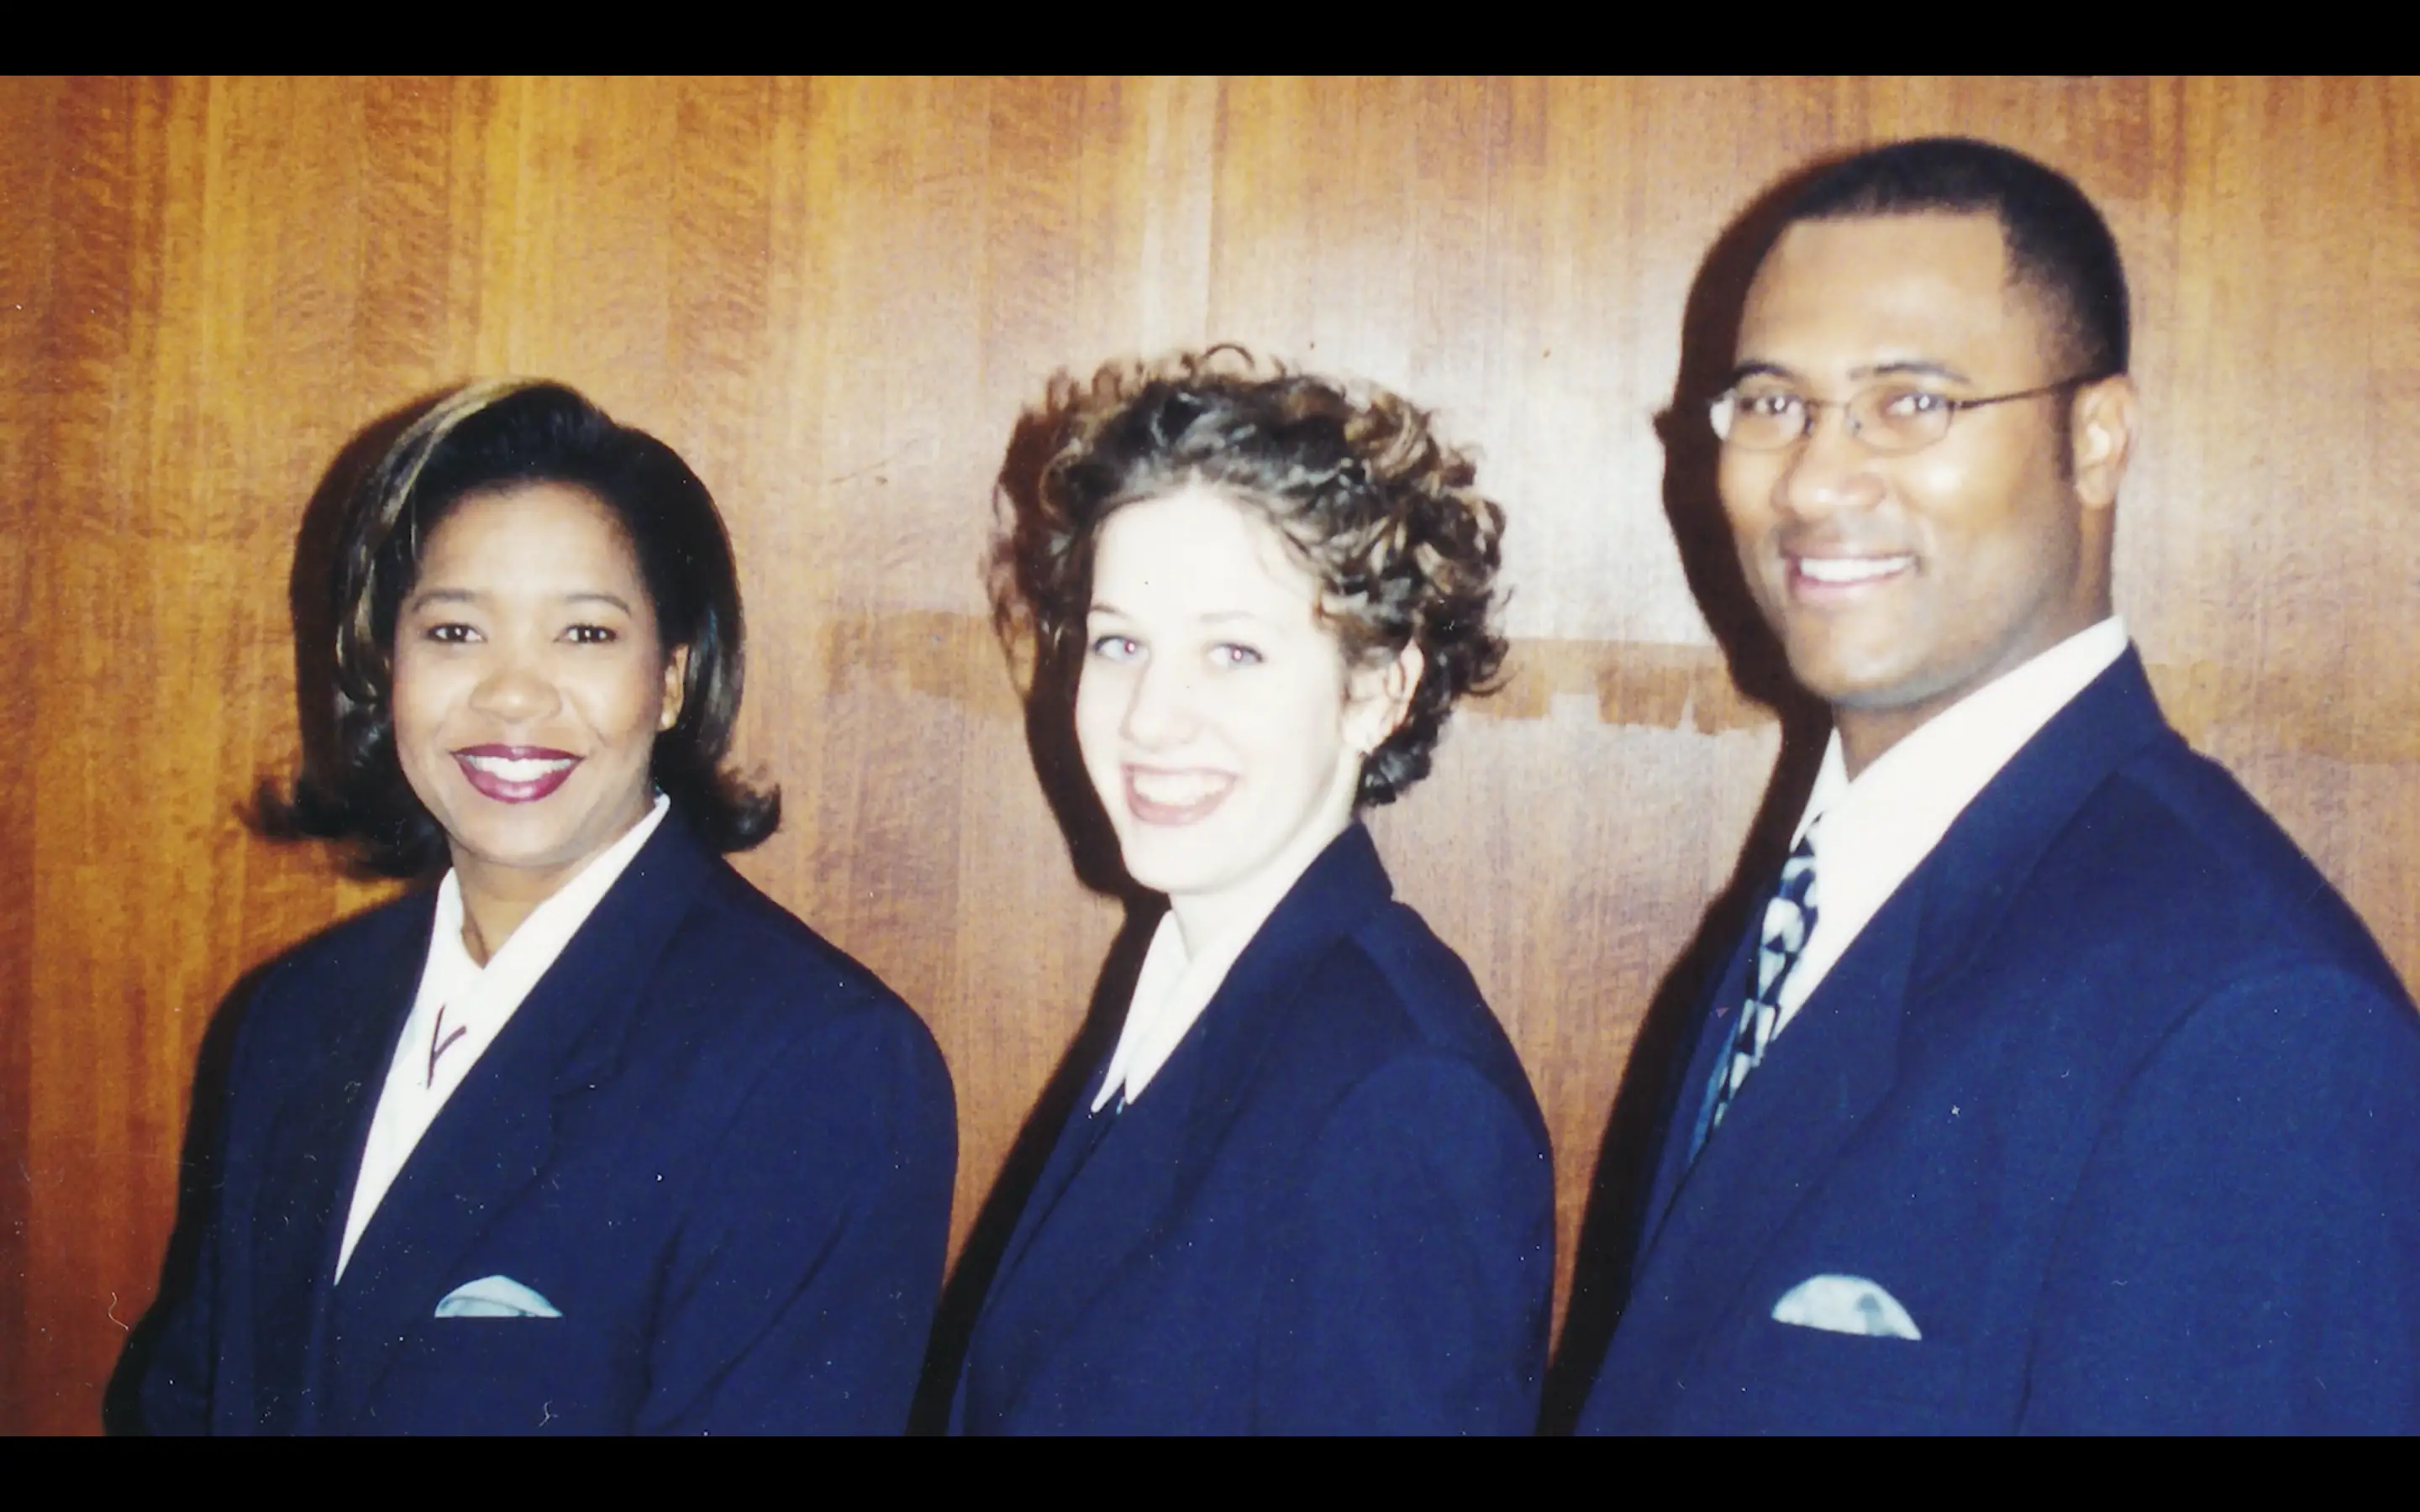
x: 515, y: 774
x: 1175, y: 796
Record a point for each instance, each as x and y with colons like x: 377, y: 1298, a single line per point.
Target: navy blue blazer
x: 718, y: 1146
x: 2115, y: 1095
x: 1331, y: 1211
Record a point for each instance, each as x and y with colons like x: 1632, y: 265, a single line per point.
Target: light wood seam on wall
x: 954, y: 657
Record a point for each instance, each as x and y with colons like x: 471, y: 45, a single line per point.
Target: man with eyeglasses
x: 2052, y: 1090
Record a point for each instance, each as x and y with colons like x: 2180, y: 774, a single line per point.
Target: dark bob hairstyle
x: 1385, y: 518
x: 491, y: 436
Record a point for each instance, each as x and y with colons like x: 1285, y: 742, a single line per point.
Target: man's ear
x: 675, y: 687
x: 2102, y: 427
x: 1378, y: 696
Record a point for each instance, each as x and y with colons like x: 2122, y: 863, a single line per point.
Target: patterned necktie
x: 1789, y: 919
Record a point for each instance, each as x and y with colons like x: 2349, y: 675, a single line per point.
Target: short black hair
x: 2056, y: 241
x: 503, y: 434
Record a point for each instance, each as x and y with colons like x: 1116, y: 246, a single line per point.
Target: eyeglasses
x: 1891, y: 418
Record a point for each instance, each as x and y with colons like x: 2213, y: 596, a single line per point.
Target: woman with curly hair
x: 1309, y: 1191
x: 589, y: 1136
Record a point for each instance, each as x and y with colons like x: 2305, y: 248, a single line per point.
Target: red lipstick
x: 515, y: 774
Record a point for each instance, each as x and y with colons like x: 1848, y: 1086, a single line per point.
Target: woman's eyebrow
x: 594, y: 596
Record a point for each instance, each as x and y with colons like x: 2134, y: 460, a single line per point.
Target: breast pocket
x: 490, y: 1375
x: 1782, y: 1378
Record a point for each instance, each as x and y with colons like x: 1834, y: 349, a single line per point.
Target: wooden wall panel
x: 835, y: 297
x: 28, y: 253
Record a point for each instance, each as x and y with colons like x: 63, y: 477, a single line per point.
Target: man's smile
x: 1834, y: 578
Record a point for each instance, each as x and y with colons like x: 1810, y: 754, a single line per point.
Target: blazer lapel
x: 1981, y: 864
x: 1717, y: 1023
x: 1072, y: 1148
x: 1108, y: 1199
x: 313, y: 1156
x: 1255, y: 1007
x: 1245, y: 1021
x: 496, y: 1133
x: 1785, y: 1126
x: 1102, y: 1206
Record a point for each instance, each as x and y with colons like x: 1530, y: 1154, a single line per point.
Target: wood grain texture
x: 834, y: 297
x: 28, y: 253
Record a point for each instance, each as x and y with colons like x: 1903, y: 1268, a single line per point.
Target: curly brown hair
x: 1386, y: 517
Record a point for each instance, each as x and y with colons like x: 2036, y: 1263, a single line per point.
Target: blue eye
x: 1116, y: 647
x: 1231, y: 655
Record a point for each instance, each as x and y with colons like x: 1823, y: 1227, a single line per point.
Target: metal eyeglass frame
x: 1720, y: 411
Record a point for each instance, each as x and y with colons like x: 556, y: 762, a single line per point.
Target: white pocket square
x: 1845, y: 1305
x: 495, y: 1296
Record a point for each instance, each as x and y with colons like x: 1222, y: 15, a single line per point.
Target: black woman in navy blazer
x: 687, y: 1167
x: 1310, y: 1191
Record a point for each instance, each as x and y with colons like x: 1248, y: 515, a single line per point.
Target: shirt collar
x: 1174, y: 987
x: 1878, y: 827
x: 531, y: 948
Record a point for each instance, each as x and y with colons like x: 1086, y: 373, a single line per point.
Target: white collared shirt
x: 1879, y: 828
x: 1175, y: 985
x: 460, y: 1008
